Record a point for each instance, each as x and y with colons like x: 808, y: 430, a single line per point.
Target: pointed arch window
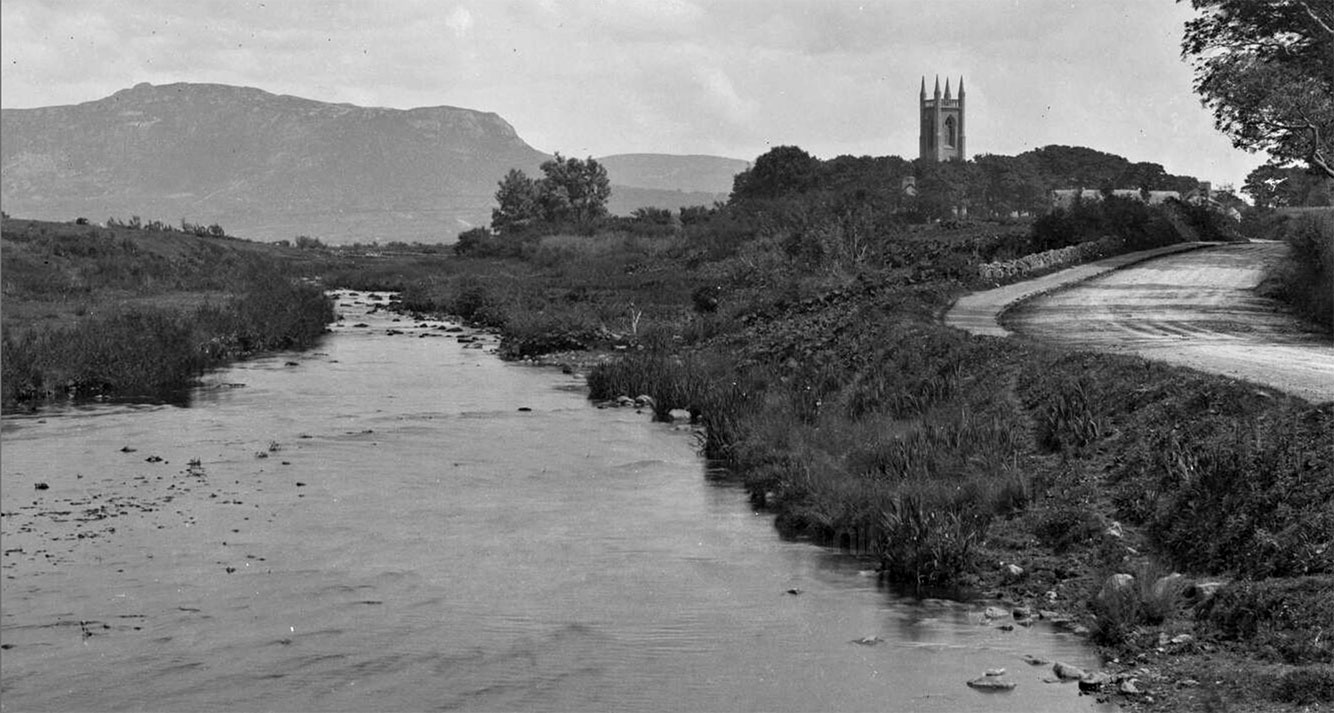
x: 951, y: 131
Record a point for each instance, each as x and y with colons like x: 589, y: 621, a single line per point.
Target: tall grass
x: 1306, y: 278
x: 148, y: 352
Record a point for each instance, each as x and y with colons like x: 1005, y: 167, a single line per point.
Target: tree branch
x: 1315, y: 18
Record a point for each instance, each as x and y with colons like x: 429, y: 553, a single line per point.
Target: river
x: 405, y: 522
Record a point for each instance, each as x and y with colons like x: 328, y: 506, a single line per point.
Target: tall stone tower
x: 942, y: 124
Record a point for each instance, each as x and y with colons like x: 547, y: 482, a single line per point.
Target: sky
x: 723, y: 77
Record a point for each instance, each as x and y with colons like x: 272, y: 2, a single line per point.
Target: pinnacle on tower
x: 947, y: 88
x: 961, y: 86
x: 937, y: 86
x: 923, y: 86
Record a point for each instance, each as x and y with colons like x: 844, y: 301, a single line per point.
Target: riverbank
x: 141, y: 313
x: 1017, y: 472
x: 401, y: 509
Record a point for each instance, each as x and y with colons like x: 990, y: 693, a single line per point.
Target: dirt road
x: 1196, y: 309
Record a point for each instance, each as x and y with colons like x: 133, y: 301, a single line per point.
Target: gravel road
x: 1197, y: 309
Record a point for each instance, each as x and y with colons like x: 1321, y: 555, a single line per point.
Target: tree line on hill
x: 880, y: 193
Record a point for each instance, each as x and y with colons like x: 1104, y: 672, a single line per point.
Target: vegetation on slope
x: 135, y: 312
x: 1305, y: 280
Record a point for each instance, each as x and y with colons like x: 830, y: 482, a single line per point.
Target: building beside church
x: 942, y: 136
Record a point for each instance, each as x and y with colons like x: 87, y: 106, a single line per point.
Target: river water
x: 404, y: 522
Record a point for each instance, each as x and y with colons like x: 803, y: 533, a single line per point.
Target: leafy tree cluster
x: 1266, y: 70
x: 990, y: 186
x: 1271, y: 186
x: 571, y: 193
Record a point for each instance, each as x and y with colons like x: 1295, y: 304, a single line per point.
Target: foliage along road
x: 1196, y: 309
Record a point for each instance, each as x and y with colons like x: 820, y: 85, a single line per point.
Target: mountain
x: 268, y: 167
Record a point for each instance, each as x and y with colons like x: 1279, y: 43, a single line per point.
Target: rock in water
x: 991, y: 683
x: 1067, y: 672
x: 1093, y: 682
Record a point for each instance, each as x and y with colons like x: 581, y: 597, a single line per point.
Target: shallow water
x: 379, y: 527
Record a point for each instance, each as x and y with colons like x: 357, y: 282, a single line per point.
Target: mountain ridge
x: 272, y: 166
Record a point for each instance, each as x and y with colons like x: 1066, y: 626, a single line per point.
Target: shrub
x: 926, y: 544
x: 1306, y: 278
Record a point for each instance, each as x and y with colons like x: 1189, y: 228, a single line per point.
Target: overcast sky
x: 589, y: 77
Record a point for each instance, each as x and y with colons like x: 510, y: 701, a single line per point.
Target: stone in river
x: 1067, y: 672
x: 991, y: 683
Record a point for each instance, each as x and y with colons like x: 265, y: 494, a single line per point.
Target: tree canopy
x: 1266, y: 70
x: 570, y: 192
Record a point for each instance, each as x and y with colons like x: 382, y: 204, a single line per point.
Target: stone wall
x: 1018, y: 268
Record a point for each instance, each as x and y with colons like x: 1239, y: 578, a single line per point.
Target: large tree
x: 573, y: 191
x: 570, y: 192
x: 1266, y: 70
x: 517, y: 203
x: 779, y: 171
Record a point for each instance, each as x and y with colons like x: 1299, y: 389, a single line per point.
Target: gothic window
x: 950, y: 132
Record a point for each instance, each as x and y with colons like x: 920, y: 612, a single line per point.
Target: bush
x: 927, y: 545
x: 1305, y: 280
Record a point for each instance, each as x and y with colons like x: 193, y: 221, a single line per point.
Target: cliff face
x: 263, y: 166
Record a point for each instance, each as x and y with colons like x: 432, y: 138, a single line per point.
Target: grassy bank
x: 140, y: 313
x: 1306, y: 279
x: 802, y: 336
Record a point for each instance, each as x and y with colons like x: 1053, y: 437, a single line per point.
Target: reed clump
x: 151, y: 352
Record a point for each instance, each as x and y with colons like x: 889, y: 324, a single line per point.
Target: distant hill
x: 270, y: 167
x: 696, y: 174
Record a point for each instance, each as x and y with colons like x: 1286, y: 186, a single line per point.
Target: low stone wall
x: 1007, y: 270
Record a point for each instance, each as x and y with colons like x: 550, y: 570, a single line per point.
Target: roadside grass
x: 1305, y: 280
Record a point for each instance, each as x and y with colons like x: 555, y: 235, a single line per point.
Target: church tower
x: 942, y: 137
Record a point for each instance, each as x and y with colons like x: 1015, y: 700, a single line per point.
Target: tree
x: 1266, y: 70
x: 517, y: 203
x: 781, y: 170
x: 1272, y: 186
x: 573, y: 191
